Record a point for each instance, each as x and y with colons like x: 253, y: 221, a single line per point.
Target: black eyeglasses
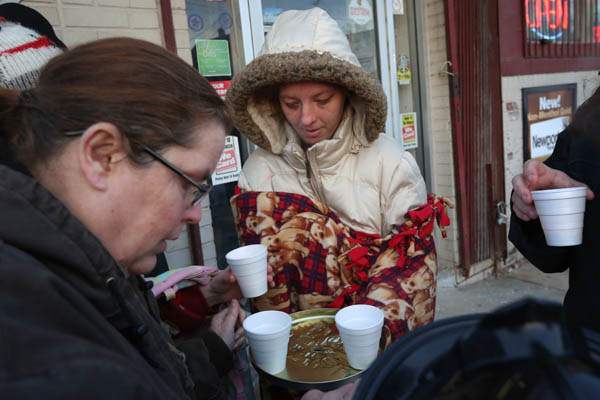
x: 199, y: 189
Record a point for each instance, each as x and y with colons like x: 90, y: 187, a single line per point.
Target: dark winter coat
x: 577, y: 153
x: 72, y: 325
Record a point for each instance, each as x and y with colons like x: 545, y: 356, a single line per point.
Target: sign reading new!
x: 547, y: 111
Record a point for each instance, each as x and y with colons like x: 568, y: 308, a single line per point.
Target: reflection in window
x: 207, y: 20
x: 355, y: 17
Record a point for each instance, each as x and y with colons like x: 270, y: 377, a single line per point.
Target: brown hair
x: 152, y: 97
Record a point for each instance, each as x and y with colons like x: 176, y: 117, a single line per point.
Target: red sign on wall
x: 221, y: 87
x: 547, y: 19
x: 229, y: 166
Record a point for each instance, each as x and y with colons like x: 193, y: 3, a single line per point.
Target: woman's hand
x: 223, y: 287
x: 239, y: 336
x: 342, y: 393
x: 537, y: 176
x: 224, y: 323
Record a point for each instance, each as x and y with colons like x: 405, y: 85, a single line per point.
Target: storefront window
x: 355, y: 17
x: 208, y: 19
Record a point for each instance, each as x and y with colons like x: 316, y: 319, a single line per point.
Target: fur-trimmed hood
x: 302, y: 46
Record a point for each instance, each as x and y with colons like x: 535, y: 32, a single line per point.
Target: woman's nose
x: 308, y: 115
x: 193, y: 214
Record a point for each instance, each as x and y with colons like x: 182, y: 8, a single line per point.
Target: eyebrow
x: 325, y: 92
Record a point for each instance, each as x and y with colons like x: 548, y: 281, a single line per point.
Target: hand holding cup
x: 249, y: 265
x: 538, y: 176
x: 224, y: 287
x: 554, y: 197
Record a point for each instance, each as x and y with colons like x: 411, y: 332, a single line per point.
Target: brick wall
x: 182, y: 36
x: 437, y: 114
x: 80, y: 21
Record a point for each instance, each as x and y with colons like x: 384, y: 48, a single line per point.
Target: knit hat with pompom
x: 27, y: 43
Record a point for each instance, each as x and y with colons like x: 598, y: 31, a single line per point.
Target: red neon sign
x: 547, y: 18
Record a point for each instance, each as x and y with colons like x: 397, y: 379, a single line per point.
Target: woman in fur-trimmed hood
x: 316, y: 117
x: 341, y: 208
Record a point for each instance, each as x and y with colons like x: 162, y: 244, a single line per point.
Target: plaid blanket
x: 320, y: 262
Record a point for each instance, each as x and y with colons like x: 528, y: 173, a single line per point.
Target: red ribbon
x: 339, y: 301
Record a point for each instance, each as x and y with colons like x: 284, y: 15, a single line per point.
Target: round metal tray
x: 314, y: 330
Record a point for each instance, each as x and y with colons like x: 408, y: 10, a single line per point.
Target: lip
x: 312, y: 132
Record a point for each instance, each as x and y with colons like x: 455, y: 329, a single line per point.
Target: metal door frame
x: 420, y: 92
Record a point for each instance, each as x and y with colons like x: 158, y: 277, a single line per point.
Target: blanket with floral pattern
x: 320, y: 262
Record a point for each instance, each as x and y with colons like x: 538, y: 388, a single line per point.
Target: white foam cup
x: 561, y: 214
x: 249, y: 265
x: 360, y: 329
x: 268, y: 333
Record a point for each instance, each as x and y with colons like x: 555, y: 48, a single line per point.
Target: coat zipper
x: 313, y: 178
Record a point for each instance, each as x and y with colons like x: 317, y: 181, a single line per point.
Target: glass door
x: 408, y: 83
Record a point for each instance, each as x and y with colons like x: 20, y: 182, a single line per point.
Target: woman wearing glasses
x: 120, y: 137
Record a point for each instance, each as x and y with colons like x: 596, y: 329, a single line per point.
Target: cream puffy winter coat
x: 364, y: 177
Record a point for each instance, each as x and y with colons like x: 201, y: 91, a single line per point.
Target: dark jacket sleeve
x: 93, y: 378
x: 528, y: 237
x: 207, y: 357
x: 208, y: 360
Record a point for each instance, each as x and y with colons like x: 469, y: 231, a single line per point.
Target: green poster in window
x: 213, y: 57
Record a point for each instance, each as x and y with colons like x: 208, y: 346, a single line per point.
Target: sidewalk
x: 493, y: 292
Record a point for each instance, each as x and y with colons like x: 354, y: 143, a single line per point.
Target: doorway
x: 475, y: 92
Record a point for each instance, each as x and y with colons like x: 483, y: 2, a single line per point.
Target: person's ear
x: 101, y: 146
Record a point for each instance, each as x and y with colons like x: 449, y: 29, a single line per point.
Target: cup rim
x: 572, y: 191
x: 281, y: 314
x: 255, y: 249
x: 377, y: 322
x: 369, y: 330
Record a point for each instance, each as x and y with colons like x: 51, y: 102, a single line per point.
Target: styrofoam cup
x: 249, y: 265
x: 360, y: 329
x: 268, y: 333
x: 561, y: 214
